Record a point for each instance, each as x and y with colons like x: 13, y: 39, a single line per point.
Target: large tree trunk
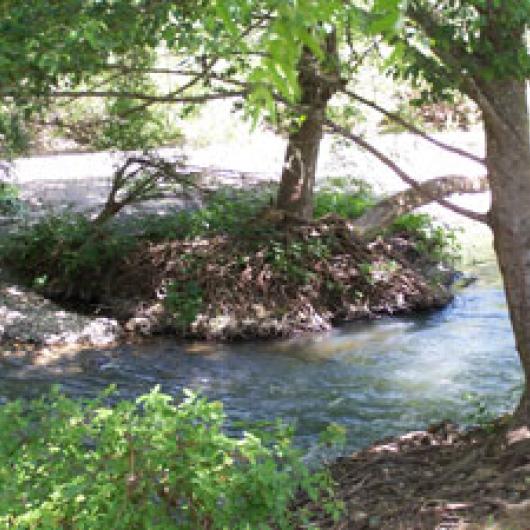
x: 508, y: 160
x: 295, y: 195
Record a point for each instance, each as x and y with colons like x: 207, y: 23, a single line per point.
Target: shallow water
x: 376, y: 379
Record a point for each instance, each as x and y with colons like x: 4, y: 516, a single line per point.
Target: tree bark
x: 508, y: 162
x: 386, y: 211
x: 295, y: 195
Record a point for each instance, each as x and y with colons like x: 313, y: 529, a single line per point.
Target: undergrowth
x: 347, y: 197
x: 432, y: 240
x: 68, y: 257
x: 150, y: 464
x: 10, y: 203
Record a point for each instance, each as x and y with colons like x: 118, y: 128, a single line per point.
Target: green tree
x: 283, y: 60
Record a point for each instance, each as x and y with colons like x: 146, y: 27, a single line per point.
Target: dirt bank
x: 441, y: 478
x: 274, y: 281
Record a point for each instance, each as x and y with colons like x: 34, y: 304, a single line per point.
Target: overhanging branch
x: 413, y: 129
x: 475, y: 216
x: 168, y: 98
x: 386, y: 211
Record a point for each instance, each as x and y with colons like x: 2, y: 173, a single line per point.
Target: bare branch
x: 413, y: 129
x: 139, y: 178
x: 402, y: 174
x: 168, y: 98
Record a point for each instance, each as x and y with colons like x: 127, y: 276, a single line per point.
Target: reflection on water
x: 376, y: 378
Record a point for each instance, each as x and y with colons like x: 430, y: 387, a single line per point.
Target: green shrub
x: 435, y: 241
x: 10, y: 203
x: 294, y: 258
x: 14, y: 134
x: 148, y: 464
x: 346, y: 197
x: 228, y: 211
x: 67, y: 248
x: 183, y: 301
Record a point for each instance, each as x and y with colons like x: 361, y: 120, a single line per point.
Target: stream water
x: 376, y: 379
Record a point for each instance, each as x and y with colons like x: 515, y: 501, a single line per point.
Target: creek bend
x: 375, y: 378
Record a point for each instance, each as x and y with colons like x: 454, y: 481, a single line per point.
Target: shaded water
x: 377, y: 378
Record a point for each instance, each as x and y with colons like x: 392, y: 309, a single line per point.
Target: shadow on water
x: 376, y: 378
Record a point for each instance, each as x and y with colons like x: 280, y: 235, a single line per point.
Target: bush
x: 351, y: 198
x: 68, y: 249
x: 183, y: 302
x: 146, y: 464
x: 10, y: 203
x: 68, y: 257
x: 228, y: 211
x: 346, y: 197
x: 437, y: 242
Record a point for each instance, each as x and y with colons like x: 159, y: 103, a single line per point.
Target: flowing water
x: 376, y: 379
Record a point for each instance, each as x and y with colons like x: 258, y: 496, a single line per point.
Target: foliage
x: 49, y: 45
x: 70, y: 250
x: 151, y: 463
x: 128, y: 125
x: 14, y: 136
x: 291, y: 258
x: 118, y: 124
x: 351, y: 198
x: 10, y: 203
x: 439, y: 243
x: 183, y: 302
x: 227, y: 211
x: 66, y: 249
x: 343, y: 196
x: 68, y: 253
x: 441, y: 46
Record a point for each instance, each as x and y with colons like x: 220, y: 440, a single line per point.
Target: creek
x: 375, y: 378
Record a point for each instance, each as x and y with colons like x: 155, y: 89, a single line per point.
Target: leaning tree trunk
x: 508, y: 160
x: 295, y: 195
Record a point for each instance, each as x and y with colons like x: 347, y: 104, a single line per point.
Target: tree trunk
x: 508, y: 160
x: 295, y: 195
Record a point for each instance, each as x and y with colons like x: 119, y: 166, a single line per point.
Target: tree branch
x: 386, y: 211
x: 168, y: 98
x: 475, y: 216
x: 413, y: 129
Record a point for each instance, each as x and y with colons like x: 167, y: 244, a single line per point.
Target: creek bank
x: 272, y: 281
x: 300, y: 278
x: 440, y: 478
x: 29, y: 319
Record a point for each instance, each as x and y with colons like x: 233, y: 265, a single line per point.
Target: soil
x: 441, y: 478
x: 274, y: 281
